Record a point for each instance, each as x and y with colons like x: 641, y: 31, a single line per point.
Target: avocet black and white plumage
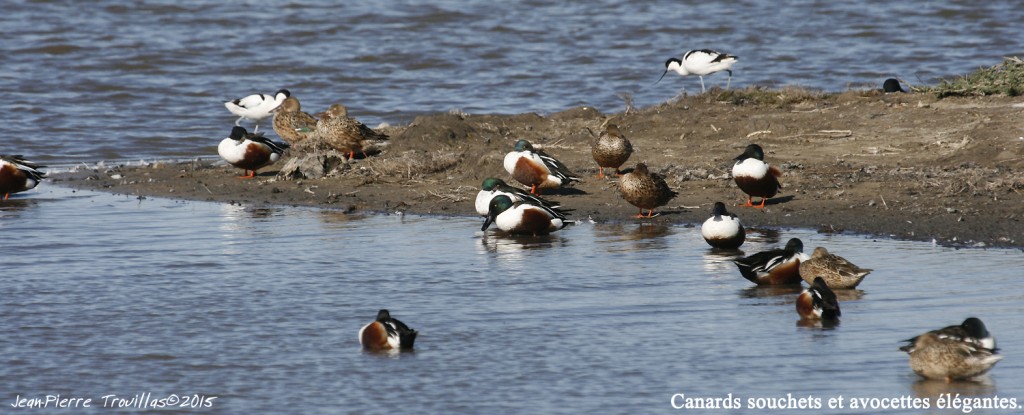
x: 776, y: 266
x: 18, y: 175
x: 755, y: 177
x: 818, y: 302
x: 723, y: 229
x: 535, y: 168
x: 492, y: 187
x: 387, y: 333
x: 256, y: 107
x: 523, y: 217
x: 249, y: 151
x: 701, y: 62
x: 954, y: 352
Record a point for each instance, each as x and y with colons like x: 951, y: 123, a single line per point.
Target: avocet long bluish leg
x: 729, y: 82
x: 701, y: 83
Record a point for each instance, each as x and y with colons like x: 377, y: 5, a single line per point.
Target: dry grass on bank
x: 1006, y: 78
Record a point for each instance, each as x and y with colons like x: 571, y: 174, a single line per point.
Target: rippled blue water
x: 259, y: 307
x: 147, y: 79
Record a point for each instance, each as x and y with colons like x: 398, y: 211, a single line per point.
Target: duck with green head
x: 535, y: 168
x: 492, y: 187
x: 523, y: 217
x: 774, y: 266
x: 953, y: 353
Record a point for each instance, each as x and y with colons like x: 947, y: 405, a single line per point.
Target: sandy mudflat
x: 897, y: 165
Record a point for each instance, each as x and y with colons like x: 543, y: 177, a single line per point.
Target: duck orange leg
x: 761, y: 206
x: 533, y: 189
x: 641, y: 214
x: 600, y: 172
x: 6, y: 196
x: 248, y: 174
x: 750, y: 201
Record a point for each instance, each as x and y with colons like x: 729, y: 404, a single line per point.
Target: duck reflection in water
x: 720, y: 261
x: 932, y: 388
x: 517, y: 245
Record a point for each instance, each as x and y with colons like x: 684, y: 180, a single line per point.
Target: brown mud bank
x: 906, y: 165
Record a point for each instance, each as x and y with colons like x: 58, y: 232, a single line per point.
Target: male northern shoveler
x: 892, y: 85
x: 723, y: 229
x: 755, y: 177
x: 837, y: 272
x: 536, y: 169
x: 645, y: 190
x: 701, y: 62
x: 249, y: 151
x: 387, y: 333
x: 348, y: 135
x: 18, y: 175
x: 611, y: 149
x: 954, y: 352
x: 524, y: 217
x: 776, y: 266
x: 256, y: 107
x: 291, y: 123
x: 492, y: 187
x: 818, y: 302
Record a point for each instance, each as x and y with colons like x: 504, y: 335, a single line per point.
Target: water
x: 147, y: 79
x: 259, y: 307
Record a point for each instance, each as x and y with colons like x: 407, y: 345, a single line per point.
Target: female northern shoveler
x: 954, y: 352
x: 492, y: 187
x: 837, y: 272
x: 645, y: 190
x: 776, y: 266
x: 536, y: 169
x: 723, y: 229
x: 249, y: 151
x: 523, y: 217
x: 18, y: 175
x: 348, y: 135
x: 818, y: 301
x: 291, y: 123
x: 386, y: 333
x: 611, y: 149
x: 701, y: 62
x: 755, y: 177
x: 256, y: 107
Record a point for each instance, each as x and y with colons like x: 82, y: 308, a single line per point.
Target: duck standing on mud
x: 535, y: 168
x: 755, y: 177
x: 611, y: 150
x: 645, y: 190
